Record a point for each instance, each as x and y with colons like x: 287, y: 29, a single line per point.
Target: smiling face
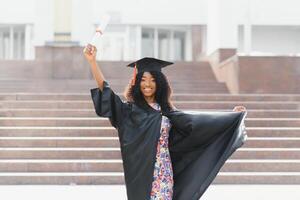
x: 148, y: 85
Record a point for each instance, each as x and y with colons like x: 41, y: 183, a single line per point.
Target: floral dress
x: 162, y: 185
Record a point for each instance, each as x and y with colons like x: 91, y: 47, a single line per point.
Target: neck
x: 150, y: 99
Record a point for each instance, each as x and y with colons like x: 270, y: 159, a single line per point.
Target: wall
x: 269, y: 74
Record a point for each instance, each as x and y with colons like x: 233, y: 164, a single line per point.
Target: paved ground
x: 215, y: 192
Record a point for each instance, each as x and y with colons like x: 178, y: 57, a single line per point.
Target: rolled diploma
x: 100, y: 29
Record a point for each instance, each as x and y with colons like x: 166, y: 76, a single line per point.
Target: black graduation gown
x: 199, y: 144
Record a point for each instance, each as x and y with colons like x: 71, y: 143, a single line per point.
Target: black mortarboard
x: 149, y: 64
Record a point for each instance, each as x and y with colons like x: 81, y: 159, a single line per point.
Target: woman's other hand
x: 90, y: 53
x: 239, y: 108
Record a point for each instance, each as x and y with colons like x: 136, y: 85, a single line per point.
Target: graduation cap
x: 147, y: 64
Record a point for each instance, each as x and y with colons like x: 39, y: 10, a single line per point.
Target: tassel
x: 134, y: 75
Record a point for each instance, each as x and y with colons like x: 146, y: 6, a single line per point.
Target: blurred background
x: 178, y: 30
x: 226, y: 53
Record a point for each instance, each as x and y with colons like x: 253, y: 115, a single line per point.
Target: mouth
x: 147, y: 89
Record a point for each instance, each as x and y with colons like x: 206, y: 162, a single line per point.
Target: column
x: 1, y: 45
x: 156, y: 42
x: 29, y: 50
x: 222, y: 29
x: 62, y: 20
x: 171, y: 46
x: 11, y: 43
x: 188, y: 45
x: 83, y: 23
x: 248, y: 30
x: 138, y: 42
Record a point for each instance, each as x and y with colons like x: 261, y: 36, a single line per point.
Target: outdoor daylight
x: 149, y: 100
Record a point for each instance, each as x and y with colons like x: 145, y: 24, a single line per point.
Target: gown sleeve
x: 200, y: 143
x: 108, y: 104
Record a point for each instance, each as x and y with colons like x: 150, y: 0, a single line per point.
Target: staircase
x: 185, y: 77
x: 50, y: 134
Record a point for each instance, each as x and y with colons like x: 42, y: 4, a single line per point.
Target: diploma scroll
x: 100, y: 29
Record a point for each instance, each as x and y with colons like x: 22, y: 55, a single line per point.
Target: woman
x: 167, y: 154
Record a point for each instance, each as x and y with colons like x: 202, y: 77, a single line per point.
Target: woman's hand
x: 90, y: 53
x: 239, y: 108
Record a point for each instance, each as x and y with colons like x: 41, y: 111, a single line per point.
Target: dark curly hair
x: 162, y: 94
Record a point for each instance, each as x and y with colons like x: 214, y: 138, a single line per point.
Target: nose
x: 147, y: 83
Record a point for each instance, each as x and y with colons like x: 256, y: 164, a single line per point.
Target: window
x: 168, y: 44
x: 4, y: 43
x: 148, y: 42
x: 12, y: 42
x: 164, y: 42
x: 129, y: 42
x: 19, y: 43
x: 179, y: 45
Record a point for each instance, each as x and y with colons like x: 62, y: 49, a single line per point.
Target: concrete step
x: 94, y: 142
x: 118, y: 192
x: 233, y: 97
x: 117, y: 166
x: 179, y: 104
x: 72, y: 141
x: 104, y: 166
x: 176, y: 97
x: 61, y: 179
x: 267, y: 153
x: 203, y: 83
x: 273, y: 122
x: 273, y: 132
x: 58, y: 89
x: 117, y: 178
x: 44, y: 112
x: 272, y: 142
x: 112, y: 70
x: 258, y: 178
x: 55, y: 122
x: 50, y: 133
x: 111, y: 80
x: 58, y: 132
x: 111, y: 132
x: 69, y: 142
x: 273, y: 113
x: 114, y: 153
x: 60, y: 153
x: 99, y: 122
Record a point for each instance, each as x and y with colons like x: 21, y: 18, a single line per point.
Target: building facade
x: 172, y: 30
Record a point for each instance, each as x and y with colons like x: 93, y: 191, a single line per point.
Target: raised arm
x: 90, y: 55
